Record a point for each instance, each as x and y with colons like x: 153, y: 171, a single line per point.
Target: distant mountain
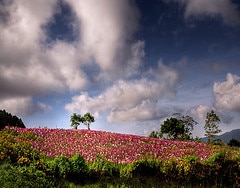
x: 226, y: 137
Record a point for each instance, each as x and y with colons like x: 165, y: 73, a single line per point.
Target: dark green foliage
x: 173, y: 128
x: 154, y: 134
x: 87, y: 119
x: 234, y: 142
x: 147, y: 167
x: 211, y: 126
x: 76, y: 119
x: 101, y: 168
x: 178, y: 127
x: 223, y: 169
x: 14, y: 176
x: 7, y: 119
x: 72, y: 169
x: 79, y: 168
x: 59, y: 167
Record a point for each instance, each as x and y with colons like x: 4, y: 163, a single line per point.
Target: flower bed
x: 70, y: 156
x: 118, y: 148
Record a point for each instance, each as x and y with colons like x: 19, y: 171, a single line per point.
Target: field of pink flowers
x: 119, y: 148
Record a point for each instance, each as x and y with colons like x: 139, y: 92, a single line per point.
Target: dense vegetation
x: 86, y: 119
x: 7, y: 119
x: 62, y: 158
x: 180, y: 127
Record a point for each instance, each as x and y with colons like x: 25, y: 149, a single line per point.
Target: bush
x: 234, y: 142
x: 15, y: 149
x: 26, y: 177
x: 224, y: 170
x: 147, y: 167
x: 101, y: 168
x: 59, y: 167
x: 79, y: 168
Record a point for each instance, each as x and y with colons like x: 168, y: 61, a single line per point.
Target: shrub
x: 147, y: 167
x: 127, y: 170
x: 144, y: 167
x: 59, y: 167
x: 12, y: 176
x: 234, y: 142
x: 101, y: 168
x: 79, y: 168
x: 16, y: 150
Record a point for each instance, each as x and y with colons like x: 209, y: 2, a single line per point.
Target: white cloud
x: 131, y: 100
x: 30, y: 68
x: 106, y: 33
x: 146, y: 110
x: 43, y: 107
x: 65, y: 65
x: 23, y: 105
x: 200, y: 111
x: 20, y: 105
x: 136, y: 58
x: 217, y: 9
x: 227, y: 93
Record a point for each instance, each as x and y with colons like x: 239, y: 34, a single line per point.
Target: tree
x: 178, y: 127
x: 188, y: 123
x: 7, y: 119
x: 87, y: 119
x: 234, y: 142
x: 172, y: 128
x: 76, y: 119
x: 154, y: 134
x: 211, y: 126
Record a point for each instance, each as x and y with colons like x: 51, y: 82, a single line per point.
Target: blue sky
x: 132, y: 64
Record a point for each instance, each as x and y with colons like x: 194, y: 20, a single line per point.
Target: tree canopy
x: 7, y: 119
x: 212, y: 125
x: 86, y: 119
x: 75, y: 120
x: 234, y: 142
x: 178, y: 127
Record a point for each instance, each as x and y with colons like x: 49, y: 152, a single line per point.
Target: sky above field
x: 132, y: 64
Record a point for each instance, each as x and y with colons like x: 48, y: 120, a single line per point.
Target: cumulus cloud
x: 42, y: 107
x: 20, y: 105
x: 227, y: 93
x: 131, y: 100
x: 146, y: 110
x: 106, y: 35
x: 23, y: 106
x: 225, y: 10
x: 29, y: 67
x: 200, y: 111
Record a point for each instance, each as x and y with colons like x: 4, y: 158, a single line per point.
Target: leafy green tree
x: 172, y: 128
x: 178, y: 127
x: 7, y: 119
x: 154, y: 134
x: 188, y: 123
x: 87, y: 119
x: 75, y: 120
x: 212, y: 126
x: 234, y: 142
